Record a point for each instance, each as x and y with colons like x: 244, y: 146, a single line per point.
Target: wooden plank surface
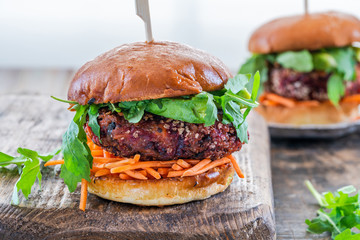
x: 243, y: 211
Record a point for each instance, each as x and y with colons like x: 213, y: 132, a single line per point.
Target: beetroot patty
x: 305, y: 86
x: 159, y: 138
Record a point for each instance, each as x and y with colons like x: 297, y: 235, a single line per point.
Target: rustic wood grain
x: 328, y: 164
x: 243, y: 211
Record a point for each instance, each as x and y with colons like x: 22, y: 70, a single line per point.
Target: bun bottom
x: 324, y: 113
x: 165, y: 191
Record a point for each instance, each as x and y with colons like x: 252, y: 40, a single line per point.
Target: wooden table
x: 328, y: 164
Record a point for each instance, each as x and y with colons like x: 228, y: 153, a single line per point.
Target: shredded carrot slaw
x: 105, y: 163
x: 271, y: 99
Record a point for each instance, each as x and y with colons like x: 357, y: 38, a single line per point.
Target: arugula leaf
x: 133, y: 111
x: 324, y: 61
x: 5, y: 159
x: 237, y: 83
x: 257, y: 62
x: 211, y: 113
x: 29, y: 167
x: 347, y: 235
x: 300, y: 61
x: 345, y: 59
x: 255, y: 86
x: 64, y: 101
x: 77, y: 156
x: 93, y: 113
x: 338, y: 214
x: 335, y: 88
x: 357, y: 53
x: 193, y: 110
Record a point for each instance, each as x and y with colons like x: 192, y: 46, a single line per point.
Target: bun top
x: 140, y: 71
x: 309, y: 31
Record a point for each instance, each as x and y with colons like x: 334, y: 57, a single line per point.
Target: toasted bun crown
x: 311, y: 31
x: 140, y: 71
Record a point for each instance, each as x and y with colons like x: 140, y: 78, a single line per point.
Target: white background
x: 67, y: 33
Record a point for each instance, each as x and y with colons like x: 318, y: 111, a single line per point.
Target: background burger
x: 155, y: 124
x: 310, y: 70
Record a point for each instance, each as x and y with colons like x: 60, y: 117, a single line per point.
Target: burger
x: 155, y: 124
x: 310, y: 68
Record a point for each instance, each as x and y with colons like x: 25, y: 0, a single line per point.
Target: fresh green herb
x: 339, y: 213
x: 345, y: 59
x: 28, y: 164
x: 77, y: 156
x: 64, y: 101
x: 339, y: 61
x: 258, y: 62
x: 335, y: 88
x: 357, y: 53
x: 198, y: 109
x: 324, y: 61
x: 93, y: 113
x: 300, y: 61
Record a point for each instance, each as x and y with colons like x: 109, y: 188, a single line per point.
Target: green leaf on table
x: 28, y: 164
x: 339, y: 213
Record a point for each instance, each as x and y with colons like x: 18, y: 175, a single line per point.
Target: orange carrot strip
x: 70, y: 107
x: 143, y: 172
x: 287, y: 102
x: 183, y: 164
x: 176, y: 167
x: 262, y: 97
x: 54, y: 162
x: 153, y: 173
x: 108, y: 155
x: 191, y: 161
x: 236, y: 166
x: 102, y: 172
x: 163, y: 171
x: 83, y: 198
x: 119, y: 163
x: 197, y: 167
x: 97, y: 153
x: 176, y: 173
x: 106, y: 160
x: 269, y: 103
x: 352, y: 98
x: 136, y: 175
x: 137, y: 158
x: 124, y: 176
x: 209, y: 166
x: 142, y: 165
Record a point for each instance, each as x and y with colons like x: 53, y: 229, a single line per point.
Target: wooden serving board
x: 243, y: 211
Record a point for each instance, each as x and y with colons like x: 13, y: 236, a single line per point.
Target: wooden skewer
x: 142, y: 10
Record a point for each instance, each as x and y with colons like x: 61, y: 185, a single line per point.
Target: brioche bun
x: 140, y: 71
x: 324, y: 113
x: 309, y: 31
x: 165, y: 191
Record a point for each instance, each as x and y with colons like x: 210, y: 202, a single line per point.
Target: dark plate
x: 313, y: 131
